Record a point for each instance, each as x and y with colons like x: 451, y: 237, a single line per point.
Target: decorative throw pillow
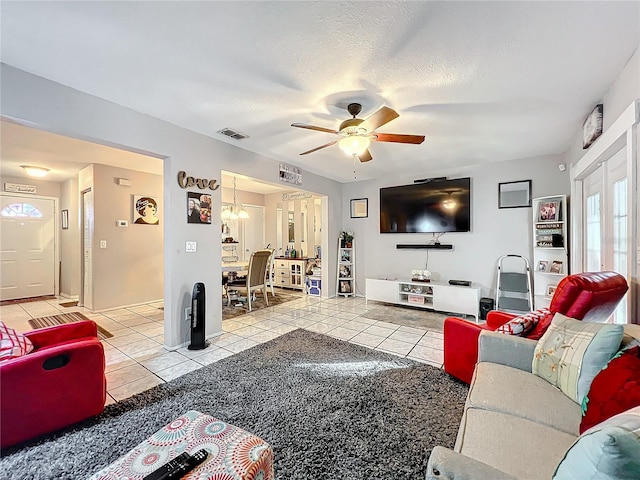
x: 12, y: 343
x: 571, y: 353
x: 608, y: 451
x: 541, y: 326
x: 615, y: 389
x: 523, y: 324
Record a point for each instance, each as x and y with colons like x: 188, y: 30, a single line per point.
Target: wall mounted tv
x: 430, y: 207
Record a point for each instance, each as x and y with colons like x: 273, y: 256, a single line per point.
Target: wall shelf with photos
x: 550, y: 249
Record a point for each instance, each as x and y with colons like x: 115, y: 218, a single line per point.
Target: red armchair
x: 59, y: 383
x: 591, y: 296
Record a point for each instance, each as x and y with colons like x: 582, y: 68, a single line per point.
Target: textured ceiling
x: 484, y: 81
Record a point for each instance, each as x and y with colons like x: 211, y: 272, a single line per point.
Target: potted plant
x: 346, y: 239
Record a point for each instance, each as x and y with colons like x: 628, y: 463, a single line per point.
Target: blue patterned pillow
x: 608, y: 451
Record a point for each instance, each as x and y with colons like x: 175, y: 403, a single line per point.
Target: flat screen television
x: 431, y: 207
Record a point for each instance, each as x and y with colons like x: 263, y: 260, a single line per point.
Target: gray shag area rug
x: 330, y: 409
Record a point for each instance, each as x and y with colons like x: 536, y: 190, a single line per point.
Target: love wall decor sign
x: 202, y: 183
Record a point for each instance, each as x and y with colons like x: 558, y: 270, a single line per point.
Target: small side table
x: 234, y: 454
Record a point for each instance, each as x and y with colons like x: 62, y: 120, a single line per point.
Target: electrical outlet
x: 187, y: 314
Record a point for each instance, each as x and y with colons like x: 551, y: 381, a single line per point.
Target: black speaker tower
x: 486, y: 305
x: 197, y: 318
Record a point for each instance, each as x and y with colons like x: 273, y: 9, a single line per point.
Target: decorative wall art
x: 359, y: 208
x: 198, y: 208
x: 290, y: 174
x: 145, y: 210
x: 514, y: 194
x: 592, y: 127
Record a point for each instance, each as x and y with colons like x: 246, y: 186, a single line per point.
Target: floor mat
x: 66, y: 318
x: 69, y: 304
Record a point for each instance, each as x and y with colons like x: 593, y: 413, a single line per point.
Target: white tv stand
x: 438, y: 296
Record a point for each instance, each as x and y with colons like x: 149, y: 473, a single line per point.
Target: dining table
x: 238, y: 266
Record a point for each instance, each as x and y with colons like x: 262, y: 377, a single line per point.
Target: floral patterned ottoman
x: 234, y: 454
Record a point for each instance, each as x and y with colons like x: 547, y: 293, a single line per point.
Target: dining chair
x: 256, y: 278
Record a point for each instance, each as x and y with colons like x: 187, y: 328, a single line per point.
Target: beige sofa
x: 515, y: 425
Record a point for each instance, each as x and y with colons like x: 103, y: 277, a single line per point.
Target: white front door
x: 27, y: 247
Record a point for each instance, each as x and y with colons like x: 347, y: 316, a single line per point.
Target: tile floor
x: 136, y: 359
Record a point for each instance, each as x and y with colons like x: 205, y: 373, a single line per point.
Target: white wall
x: 48, y: 105
x: 624, y: 90
x: 494, y: 232
x: 70, y: 246
x: 130, y: 270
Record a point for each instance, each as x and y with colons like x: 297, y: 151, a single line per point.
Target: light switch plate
x: 191, y: 247
x: 103, y: 244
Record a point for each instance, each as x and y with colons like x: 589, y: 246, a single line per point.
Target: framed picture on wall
x: 145, y: 210
x: 359, y: 208
x: 514, y: 194
x: 198, y: 208
x: 592, y: 127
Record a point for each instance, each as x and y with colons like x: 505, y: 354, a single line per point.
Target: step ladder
x: 514, y: 293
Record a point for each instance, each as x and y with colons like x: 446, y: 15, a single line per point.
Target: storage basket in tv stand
x: 439, y: 296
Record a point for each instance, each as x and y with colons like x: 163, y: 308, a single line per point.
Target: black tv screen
x: 430, y: 207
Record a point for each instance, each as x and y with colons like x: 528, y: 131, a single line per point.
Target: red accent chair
x: 59, y: 383
x: 590, y: 296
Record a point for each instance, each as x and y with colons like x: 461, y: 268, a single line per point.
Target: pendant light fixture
x: 235, y: 211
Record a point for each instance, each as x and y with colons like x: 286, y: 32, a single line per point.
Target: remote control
x: 176, y: 468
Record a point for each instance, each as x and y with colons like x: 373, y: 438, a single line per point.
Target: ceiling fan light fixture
x: 354, y: 145
x: 35, y: 171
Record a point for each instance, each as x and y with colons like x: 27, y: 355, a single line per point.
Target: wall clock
x: 592, y: 127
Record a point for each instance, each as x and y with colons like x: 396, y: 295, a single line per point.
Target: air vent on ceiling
x: 233, y: 133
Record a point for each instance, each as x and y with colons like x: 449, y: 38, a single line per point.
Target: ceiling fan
x: 358, y: 133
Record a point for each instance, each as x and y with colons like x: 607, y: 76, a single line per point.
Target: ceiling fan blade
x: 318, y: 148
x: 366, y: 156
x: 313, y: 127
x: 379, y: 118
x: 398, y: 138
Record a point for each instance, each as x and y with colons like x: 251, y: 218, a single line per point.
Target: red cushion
x: 614, y: 390
x: 541, y: 327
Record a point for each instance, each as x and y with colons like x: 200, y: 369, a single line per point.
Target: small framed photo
x: 65, y: 219
x: 549, y: 212
x: 199, y: 208
x: 555, y: 267
x: 551, y: 289
x: 592, y: 127
x: 359, y: 208
x: 543, y: 265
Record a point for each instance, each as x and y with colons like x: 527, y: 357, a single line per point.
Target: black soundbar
x: 460, y: 283
x: 441, y: 246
